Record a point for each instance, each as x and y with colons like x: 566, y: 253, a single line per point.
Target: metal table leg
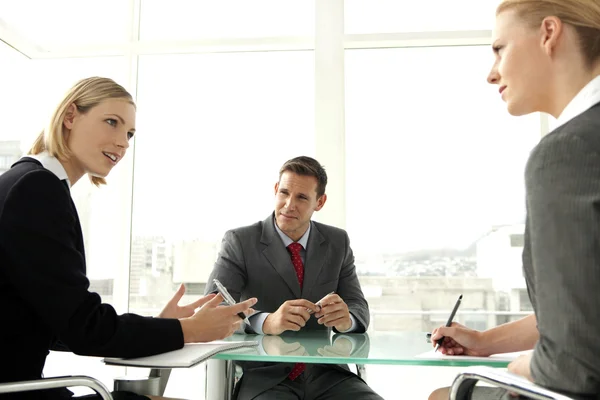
x: 164, y: 375
x: 219, y: 379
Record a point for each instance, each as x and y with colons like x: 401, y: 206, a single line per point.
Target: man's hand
x: 276, y: 346
x: 291, y: 316
x: 174, y: 310
x: 459, y: 340
x: 522, y: 366
x: 334, y: 313
x: 213, y: 321
x: 342, y: 347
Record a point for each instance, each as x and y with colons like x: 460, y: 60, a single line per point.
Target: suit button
x: 288, y: 370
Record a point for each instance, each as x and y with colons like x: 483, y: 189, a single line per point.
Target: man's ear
x: 70, y: 116
x: 551, y: 29
x: 321, y: 202
x: 276, y: 187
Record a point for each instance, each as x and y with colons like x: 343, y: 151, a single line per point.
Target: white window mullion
x: 329, y: 106
x: 124, y: 179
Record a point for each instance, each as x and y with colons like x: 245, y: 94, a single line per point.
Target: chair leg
x: 361, y: 371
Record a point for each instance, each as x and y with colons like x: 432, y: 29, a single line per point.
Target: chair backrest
x: 465, y: 380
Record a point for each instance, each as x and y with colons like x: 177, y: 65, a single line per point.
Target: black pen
x: 441, y: 340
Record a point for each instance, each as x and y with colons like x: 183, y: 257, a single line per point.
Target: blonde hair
x: 583, y: 15
x: 85, y: 94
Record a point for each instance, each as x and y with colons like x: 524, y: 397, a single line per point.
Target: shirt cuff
x: 352, y: 327
x: 257, y: 321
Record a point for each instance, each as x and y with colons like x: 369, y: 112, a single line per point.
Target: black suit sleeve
x: 39, y: 233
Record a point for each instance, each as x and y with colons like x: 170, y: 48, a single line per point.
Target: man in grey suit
x: 290, y: 264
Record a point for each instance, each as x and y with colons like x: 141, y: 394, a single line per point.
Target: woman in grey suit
x: 547, y: 59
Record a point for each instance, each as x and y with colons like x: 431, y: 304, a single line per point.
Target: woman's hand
x: 174, y: 310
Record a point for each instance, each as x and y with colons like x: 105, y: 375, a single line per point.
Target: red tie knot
x: 295, y: 248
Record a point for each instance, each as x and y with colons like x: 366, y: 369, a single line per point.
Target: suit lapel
x: 316, y: 254
x: 278, y: 256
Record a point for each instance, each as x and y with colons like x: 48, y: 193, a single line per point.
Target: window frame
x: 328, y: 43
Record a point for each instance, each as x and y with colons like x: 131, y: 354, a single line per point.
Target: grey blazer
x: 253, y: 262
x: 561, y: 258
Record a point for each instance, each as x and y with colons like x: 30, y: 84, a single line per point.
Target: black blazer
x: 44, y: 295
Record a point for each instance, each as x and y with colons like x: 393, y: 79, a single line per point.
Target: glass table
x: 389, y: 348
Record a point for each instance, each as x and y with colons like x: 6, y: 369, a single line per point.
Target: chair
x: 58, y: 382
x: 466, y: 380
x: 361, y: 371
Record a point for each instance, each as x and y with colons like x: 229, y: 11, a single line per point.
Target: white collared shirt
x: 587, y: 97
x: 287, y: 241
x: 52, y: 164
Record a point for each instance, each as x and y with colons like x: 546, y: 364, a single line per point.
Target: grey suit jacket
x: 561, y: 258
x: 253, y: 262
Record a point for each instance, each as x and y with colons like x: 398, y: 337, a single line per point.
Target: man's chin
x: 287, y: 225
x: 283, y: 223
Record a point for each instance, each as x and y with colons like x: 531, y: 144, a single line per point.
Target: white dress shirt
x: 587, y: 97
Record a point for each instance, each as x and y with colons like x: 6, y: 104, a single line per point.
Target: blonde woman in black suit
x: 547, y: 58
x: 43, y: 284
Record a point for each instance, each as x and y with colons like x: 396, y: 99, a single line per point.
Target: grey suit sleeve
x: 563, y: 200
x: 350, y: 291
x: 230, y: 268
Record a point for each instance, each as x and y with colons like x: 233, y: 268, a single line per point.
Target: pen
x: 228, y: 299
x: 240, y: 314
x: 441, y: 340
x: 319, y: 302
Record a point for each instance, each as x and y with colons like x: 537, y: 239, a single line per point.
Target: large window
x: 426, y: 165
x: 10, y: 135
x: 434, y: 181
x: 187, y: 20
x: 213, y: 131
x: 385, y: 16
x: 58, y: 25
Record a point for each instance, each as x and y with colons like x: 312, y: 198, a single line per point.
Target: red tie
x: 294, y: 250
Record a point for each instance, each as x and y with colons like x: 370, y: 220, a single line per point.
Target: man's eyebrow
x: 121, y: 120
